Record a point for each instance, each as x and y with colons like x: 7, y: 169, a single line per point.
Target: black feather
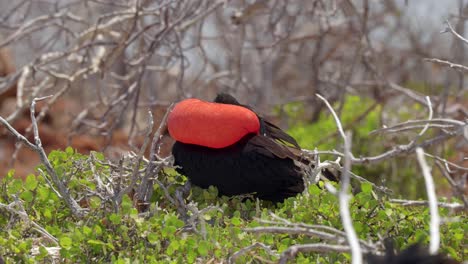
x: 239, y: 169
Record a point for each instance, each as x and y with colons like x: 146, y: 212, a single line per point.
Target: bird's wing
x: 270, y: 148
x: 276, y: 133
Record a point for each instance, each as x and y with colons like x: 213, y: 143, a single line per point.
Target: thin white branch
x: 20, y: 87
x: 335, y: 116
x: 431, y: 113
x: 425, y: 203
x: 344, y: 204
x: 432, y: 198
x: 452, y: 30
x: 408, y: 92
x: 343, y: 195
x: 447, y: 164
x: 452, y: 65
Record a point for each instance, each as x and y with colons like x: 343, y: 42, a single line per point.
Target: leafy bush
x: 215, y: 229
x: 361, y: 116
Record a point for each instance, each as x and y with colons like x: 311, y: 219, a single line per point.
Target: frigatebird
x: 227, y: 145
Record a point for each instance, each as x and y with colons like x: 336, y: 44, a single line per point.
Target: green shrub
x: 398, y: 173
x: 122, y: 235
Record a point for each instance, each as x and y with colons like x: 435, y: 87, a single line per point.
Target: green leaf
x: 28, y: 196
x: 236, y: 221
x: 69, y: 151
x: 94, y: 202
x: 207, y: 217
x: 96, y: 242
x: 9, y: 176
x: 459, y: 236
x: 66, y: 242
x: 126, y: 205
x: 121, y: 261
x: 358, y: 226
x: 452, y: 252
x: 15, y: 187
x: 173, y: 246
x: 97, y: 230
x: 133, y: 212
x: 25, y: 246
x: 30, y: 183
x: 191, y: 256
x: 43, y: 252
x: 47, y: 213
x: 99, y: 156
x: 173, y: 220
x: 87, y: 230
x: 389, y: 212
x: 203, y: 248
x: 43, y: 193
x: 168, y: 231
x: 366, y: 187
x: 314, y: 190
x: 115, y: 218
x: 153, y: 238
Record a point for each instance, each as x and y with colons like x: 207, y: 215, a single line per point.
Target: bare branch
x: 145, y: 188
x: 135, y: 174
x: 62, y: 189
x: 343, y: 193
x: 432, y: 198
x: 452, y: 65
x: 245, y: 250
x: 452, y: 30
x: 17, y: 208
x: 426, y: 203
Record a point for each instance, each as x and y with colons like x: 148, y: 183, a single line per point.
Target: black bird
x: 227, y: 145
